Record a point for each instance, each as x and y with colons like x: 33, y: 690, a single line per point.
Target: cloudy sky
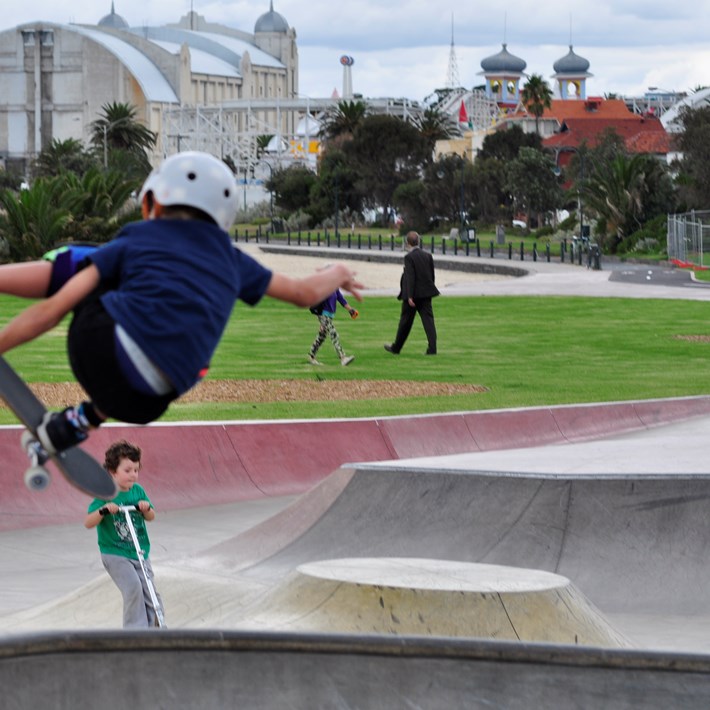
x: 402, y: 48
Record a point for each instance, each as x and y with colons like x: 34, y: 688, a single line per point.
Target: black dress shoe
x: 390, y: 349
x: 430, y: 352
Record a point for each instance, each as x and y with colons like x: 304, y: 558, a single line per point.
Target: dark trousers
x: 92, y: 355
x: 406, y: 319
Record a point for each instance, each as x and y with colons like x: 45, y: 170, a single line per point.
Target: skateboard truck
x: 37, y: 477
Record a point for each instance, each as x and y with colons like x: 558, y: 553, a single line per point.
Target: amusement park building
x: 54, y: 78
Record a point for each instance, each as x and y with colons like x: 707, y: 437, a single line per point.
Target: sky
x: 402, y: 48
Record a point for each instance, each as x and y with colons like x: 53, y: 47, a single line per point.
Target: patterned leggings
x: 327, y: 328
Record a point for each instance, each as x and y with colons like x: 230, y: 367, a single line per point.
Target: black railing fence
x: 582, y: 252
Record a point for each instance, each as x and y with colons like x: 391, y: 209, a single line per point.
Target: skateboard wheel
x: 27, y: 438
x: 37, y: 478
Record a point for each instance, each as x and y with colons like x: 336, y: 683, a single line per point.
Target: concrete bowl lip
x: 433, y: 575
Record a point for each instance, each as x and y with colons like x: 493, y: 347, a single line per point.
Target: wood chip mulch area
x: 56, y: 395
x: 694, y: 338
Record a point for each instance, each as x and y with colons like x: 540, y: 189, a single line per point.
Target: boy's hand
x: 353, y: 313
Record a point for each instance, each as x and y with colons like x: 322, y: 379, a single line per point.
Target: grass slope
x: 526, y: 350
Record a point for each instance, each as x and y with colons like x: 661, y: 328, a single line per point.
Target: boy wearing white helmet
x: 149, y: 307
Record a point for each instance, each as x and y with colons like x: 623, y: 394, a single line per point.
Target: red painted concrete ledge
x: 199, y: 464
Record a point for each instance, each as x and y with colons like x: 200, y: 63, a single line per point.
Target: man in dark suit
x: 417, y: 288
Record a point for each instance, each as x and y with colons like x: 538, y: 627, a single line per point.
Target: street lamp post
x: 579, y: 195
x: 572, y: 149
x: 462, y: 220
x: 271, y: 192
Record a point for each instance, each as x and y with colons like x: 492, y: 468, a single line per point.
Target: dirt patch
x: 57, y: 395
x: 694, y: 338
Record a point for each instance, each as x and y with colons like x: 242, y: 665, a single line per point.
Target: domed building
x: 571, y: 73
x: 271, y: 21
x: 503, y: 72
x: 54, y: 78
x: 113, y: 20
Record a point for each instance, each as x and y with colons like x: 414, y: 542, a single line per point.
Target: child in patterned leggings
x: 326, y: 312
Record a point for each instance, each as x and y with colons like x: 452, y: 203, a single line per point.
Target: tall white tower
x: 347, y: 63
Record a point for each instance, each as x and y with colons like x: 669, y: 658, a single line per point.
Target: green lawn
x: 526, y: 350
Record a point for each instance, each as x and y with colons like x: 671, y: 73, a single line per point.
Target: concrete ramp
x: 214, y: 670
x: 634, y: 544
x: 408, y: 596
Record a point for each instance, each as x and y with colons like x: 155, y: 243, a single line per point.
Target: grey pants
x: 138, y: 611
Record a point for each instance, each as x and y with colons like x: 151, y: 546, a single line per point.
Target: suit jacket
x: 418, y: 276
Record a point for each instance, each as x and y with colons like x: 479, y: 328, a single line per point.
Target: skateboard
x: 160, y: 616
x: 76, y: 465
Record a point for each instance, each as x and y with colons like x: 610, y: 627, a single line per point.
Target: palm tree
x: 117, y: 130
x: 33, y: 220
x: 341, y: 121
x: 63, y: 156
x: 434, y: 125
x: 536, y: 97
x: 262, y: 143
x: 617, y: 193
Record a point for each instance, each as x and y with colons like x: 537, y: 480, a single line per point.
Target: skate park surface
x: 360, y: 576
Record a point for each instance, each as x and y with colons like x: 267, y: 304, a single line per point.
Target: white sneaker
x: 313, y: 361
x: 346, y: 360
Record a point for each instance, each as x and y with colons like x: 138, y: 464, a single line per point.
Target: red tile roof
x: 585, y: 120
x: 640, y: 134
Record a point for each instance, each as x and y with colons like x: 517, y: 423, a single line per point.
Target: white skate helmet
x: 196, y: 180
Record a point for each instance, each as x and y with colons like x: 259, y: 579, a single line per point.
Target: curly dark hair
x: 121, y: 450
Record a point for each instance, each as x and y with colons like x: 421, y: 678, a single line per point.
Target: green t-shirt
x: 113, y: 533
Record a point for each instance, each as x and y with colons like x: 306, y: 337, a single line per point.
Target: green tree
x: 292, y: 187
x: 531, y: 180
x: 385, y: 152
x: 334, y: 188
x: 693, y: 168
x: 410, y: 200
x: 101, y: 204
x: 262, y: 143
x: 491, y: 200
x: 341, y: 121
x: 505, y: 144
x: 63, y: 156
x: 536, y: 97
x: 619, y: 193
x: 433, y: 125
x: 66, y: 207
x: 121, y: 140
x: 32, y: 221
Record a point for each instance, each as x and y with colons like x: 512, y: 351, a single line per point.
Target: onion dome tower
x: 503, y: 72
x: 571, y: 73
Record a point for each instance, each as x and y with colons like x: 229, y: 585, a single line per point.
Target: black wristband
x: 103, y: 511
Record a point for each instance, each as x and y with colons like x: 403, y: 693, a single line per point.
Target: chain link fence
x: 689, y: 237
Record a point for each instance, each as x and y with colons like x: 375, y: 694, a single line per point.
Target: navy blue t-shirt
x: 173, y: 286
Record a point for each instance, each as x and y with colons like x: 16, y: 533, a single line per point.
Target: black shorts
x: 92, y: 355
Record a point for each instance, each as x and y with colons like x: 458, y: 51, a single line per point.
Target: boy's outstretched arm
x: 44, y: 315
x: 313, y: 289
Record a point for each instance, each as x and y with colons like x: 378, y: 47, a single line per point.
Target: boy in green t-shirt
x: 118, y: 554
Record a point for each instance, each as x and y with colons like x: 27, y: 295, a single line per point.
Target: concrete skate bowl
x: 201, y: 464
x: 214, y: 670
x: 635, y: 545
